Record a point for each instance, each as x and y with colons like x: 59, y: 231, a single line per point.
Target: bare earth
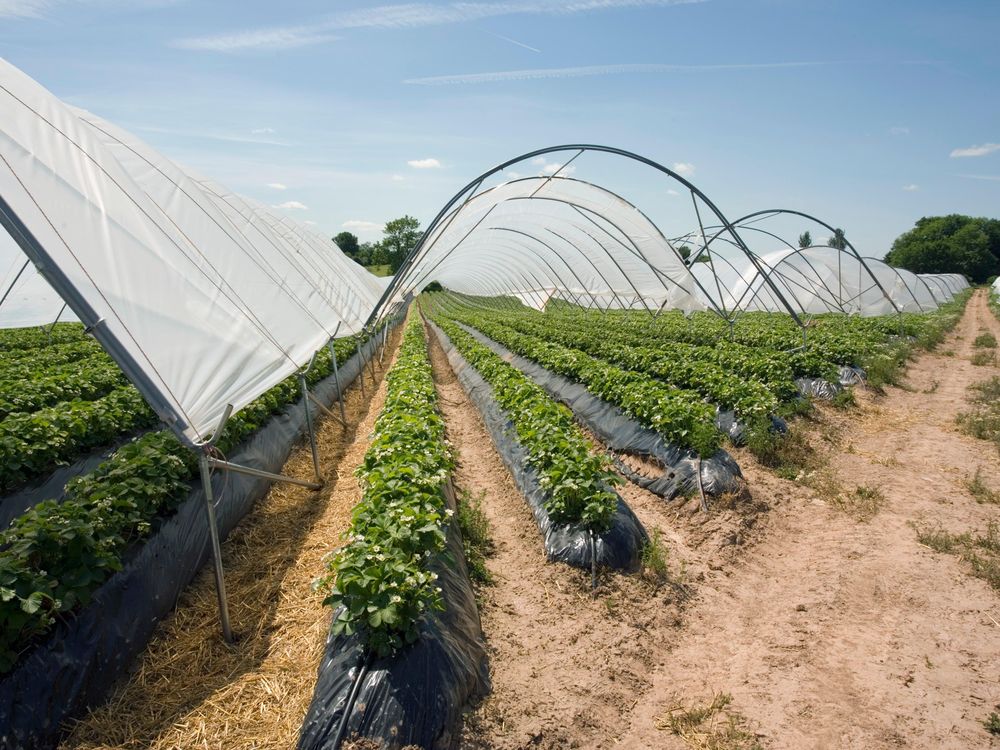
x: 829, y: 632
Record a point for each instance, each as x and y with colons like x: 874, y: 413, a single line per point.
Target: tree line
x: 399, y: 236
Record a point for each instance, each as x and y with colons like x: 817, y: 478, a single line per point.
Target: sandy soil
x: 191, y: 690
x: 829, y: 632
x: 566, y: 665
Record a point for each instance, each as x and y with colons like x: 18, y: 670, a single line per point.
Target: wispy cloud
x: 277, y: 186
x: 671, y: 191
x: 602, y: 70
x: 397, y: 178
x: 513, y: 41
x: 683, y: 168
x: 911, y: 188
x: 292, y: 206
x: 986, y: 148
x: 899, y: 130
x: 990, y: 177
x: 262, y: 131
x: 406, y: 15
x: 40, y: 8
x: 424, y: 163
x: 277, y: 38
x: 212, y: 136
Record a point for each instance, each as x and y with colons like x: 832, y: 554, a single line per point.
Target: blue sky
x: 867, y: 114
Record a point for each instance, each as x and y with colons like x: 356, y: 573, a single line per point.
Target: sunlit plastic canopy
x: 197, y: 314
x: 538, y: 237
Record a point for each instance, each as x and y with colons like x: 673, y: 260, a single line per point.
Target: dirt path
x: 565, y: 665
x: 189, y: 689
x: 833, y: 633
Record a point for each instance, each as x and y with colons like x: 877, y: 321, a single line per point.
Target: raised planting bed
x: 405, y: 651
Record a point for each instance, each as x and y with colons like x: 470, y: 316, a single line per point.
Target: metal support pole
x: 372, y: 348
x: 336, y: 379
x: 11, y: 287
x: 213, y: 532
x: 309, y: 426
x: 218, y: 463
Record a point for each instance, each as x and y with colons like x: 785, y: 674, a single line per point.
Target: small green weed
x: 983, y: 358
x: 712, y: 726
x: 979, y: 490
x: 985, y: 340
x: 654, y: 560
x: 844, y: 399
x: 981, y: 552
x: 992, y: 723
x: 476, y: 538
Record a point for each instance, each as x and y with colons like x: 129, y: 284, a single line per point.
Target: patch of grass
x: 383, y: 270
x: 980, y: 552
x: 933, y: 386
x: 844, y: 399
x: 979, y: 490
x: 985, y: 340
x: 948, y: 353
x: 983, y: 358
x: 992, y: 723
x: 862, y: 504
x: 885, y: 367
x: 712, y: 726
x: 654, y: 560
x: 983, y: 421
x: 789, y: 454
x: 476, y: 538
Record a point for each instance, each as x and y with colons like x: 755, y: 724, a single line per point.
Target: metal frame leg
x: 213, y: 532
x: 336, y: 379
x: 309, y: 426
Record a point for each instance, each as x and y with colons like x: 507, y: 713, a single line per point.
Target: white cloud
x: 424, y: 163
x: 538, y: 160
x: 602, y: 70
x: 672, y: 192
x: 397, y: 178
x: 277, y: 186
x: 356, y: 225
x: 279, y: 38
x: 262, y: 131
x: 683, y: 168
x: 990, y: 177
x: 552, y: 168
x: 899, y: 130
x: 404, y: 15
x: 911, y: 188
x: 986, y: 148
x: 292, y: 206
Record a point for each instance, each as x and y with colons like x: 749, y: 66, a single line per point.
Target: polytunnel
x: 204, y: 300
x: 556, y: 235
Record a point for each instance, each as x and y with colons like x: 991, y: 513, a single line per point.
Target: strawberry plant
x: 381, y: 581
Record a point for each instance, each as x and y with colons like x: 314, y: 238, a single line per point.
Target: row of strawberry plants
x: 30, y: 338
x: 55, y: 556
x: 33, y: 444
x: 27, y: 361
x: 577, y: 481
x: 87, y: 380
x: 680, y: 416
x: 380, y: 582
x: 680, y: 365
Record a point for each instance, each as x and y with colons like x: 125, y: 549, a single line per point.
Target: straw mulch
x: 191, y: 690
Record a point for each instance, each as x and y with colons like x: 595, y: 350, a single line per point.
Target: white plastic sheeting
x: 814, y: 280
x: 201, y: 305
x: 538, y: 237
